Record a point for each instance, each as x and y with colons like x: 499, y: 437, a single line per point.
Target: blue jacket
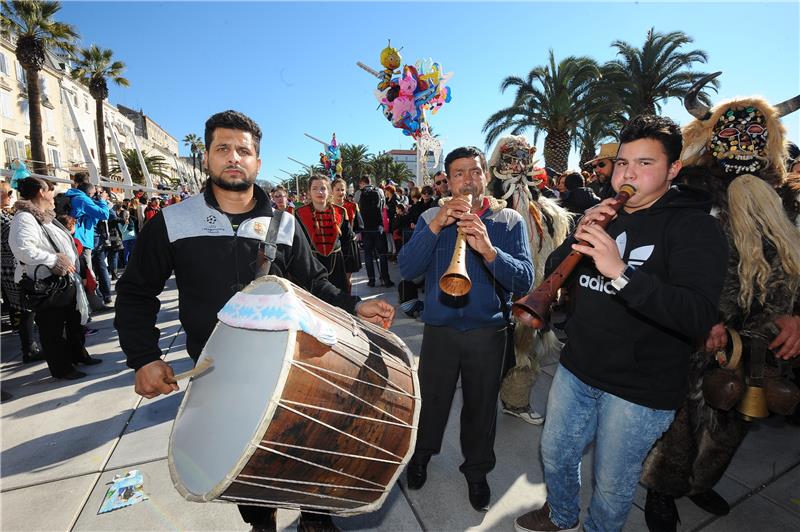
x: 481, y: 307
x: 87, y: 212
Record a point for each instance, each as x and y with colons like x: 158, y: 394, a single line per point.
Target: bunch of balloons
x: 331, y: 159
x: 406, y: 94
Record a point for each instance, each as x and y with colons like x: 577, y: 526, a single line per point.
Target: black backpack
x: 369, y: 205
x: 63, y: 205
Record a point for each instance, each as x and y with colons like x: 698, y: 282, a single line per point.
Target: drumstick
x: 201, y: 367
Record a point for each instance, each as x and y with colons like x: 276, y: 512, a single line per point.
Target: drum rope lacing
x: 331, y: 427
x: 395, y: 388
x: 354, y: 396
x: 326, y: 451
x: 280, y: 504
x: 308, y: 462
x: 289, y: 490
x: 291, y: 481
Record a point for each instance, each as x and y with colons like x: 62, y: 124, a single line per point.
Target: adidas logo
x: 636, y: 258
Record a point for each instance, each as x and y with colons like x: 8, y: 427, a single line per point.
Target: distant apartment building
x: 60, y: 124
x: 409, y: 158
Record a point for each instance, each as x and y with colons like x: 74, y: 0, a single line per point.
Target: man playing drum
x: 211, y: 242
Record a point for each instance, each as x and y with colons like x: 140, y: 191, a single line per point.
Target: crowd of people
x: 704, y: 251
x: 80, y: 233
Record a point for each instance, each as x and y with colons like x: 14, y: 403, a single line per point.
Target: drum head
x: 227, y: 409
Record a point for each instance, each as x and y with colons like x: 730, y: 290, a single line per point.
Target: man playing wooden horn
x: 465, y: 336
x: 211, y: 242
x: 736, y: 152
x: 648, y: 285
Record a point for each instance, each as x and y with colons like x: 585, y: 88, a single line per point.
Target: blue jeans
x: 128, y: 247
x: 623, y: 432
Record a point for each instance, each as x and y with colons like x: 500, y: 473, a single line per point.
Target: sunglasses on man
x: 601, y: 164
x: 440, y: 182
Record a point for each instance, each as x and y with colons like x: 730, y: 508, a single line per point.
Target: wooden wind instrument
x: 533, y: 310
x: 455, y: 281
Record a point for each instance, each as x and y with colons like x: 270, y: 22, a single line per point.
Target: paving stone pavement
x: 63, y: 442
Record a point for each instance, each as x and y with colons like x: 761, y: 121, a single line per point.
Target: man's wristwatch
x: 624, y: 278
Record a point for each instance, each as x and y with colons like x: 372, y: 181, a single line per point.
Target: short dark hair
x: 232, y: 120
x: 80, y: 177
x: 573, y: 180
x: 660, y: 128
x: 437, y: 174
x: 364, y: 179
x: 67, y: 221
x: 464, y: 152
x: 85, y: 187
x: 30, y: 186
x: 427, y: 189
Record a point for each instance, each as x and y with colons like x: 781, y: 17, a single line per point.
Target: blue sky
x: 291, y: 66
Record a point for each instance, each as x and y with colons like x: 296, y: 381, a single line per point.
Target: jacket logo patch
x: 259, y: 228
x: 212, y: 227
x: 636, y: 258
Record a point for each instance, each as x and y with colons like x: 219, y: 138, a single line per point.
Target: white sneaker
x: 528, y: 416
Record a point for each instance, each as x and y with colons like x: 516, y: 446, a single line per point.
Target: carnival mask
x: 739, y: 141
x: 516, y: 158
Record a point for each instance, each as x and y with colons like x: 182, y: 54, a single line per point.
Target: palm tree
x: 643, y: 78
x: 379, y: 166
x: 156, y: 166
x: 93, y: 69
x: 31, y: 23
x: 354, y: 161
x: 400, y: 172
x: 552, y: 98
x: 195, y: 145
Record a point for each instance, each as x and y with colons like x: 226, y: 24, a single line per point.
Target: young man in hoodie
x: 647, y: 288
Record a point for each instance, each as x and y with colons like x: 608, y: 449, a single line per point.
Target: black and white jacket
x: 213, y: 256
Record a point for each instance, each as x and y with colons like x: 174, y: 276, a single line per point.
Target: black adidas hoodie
x: 213, y: 255
x: 635, y: 344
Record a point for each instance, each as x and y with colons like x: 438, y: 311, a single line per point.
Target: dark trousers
x: 375, y: 243
x: 477, y: 357
x: 100, y: 267
x: 22, y: 321
x: 61, y: 333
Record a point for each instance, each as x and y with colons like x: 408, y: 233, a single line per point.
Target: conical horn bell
x: 754, y: 404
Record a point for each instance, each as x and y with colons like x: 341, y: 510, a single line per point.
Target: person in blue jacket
x: 87, y: 211
x: 465, y: 336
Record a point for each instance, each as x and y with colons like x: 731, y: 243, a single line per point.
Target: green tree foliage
x: 550, y: 99
x: 94, y: 68
x: 156, y: 165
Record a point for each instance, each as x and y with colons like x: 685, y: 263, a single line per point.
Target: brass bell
x: 754, y: 404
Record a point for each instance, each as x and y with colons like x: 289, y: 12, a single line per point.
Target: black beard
x: 238, y: 186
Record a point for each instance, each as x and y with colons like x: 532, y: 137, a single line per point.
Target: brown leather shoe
x: 539, y: 521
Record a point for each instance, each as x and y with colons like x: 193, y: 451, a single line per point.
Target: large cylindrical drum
x: 305, y: 407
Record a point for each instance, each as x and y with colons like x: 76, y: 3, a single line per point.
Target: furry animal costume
x: 758, y: 214
x: 515, y: 181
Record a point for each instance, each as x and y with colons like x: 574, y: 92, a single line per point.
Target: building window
x: 12, y: 152
x: 54, y: 157
x: 3, y: 64
x: 5, y: 104
x: 21, y: 75
x: 23, y: 105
